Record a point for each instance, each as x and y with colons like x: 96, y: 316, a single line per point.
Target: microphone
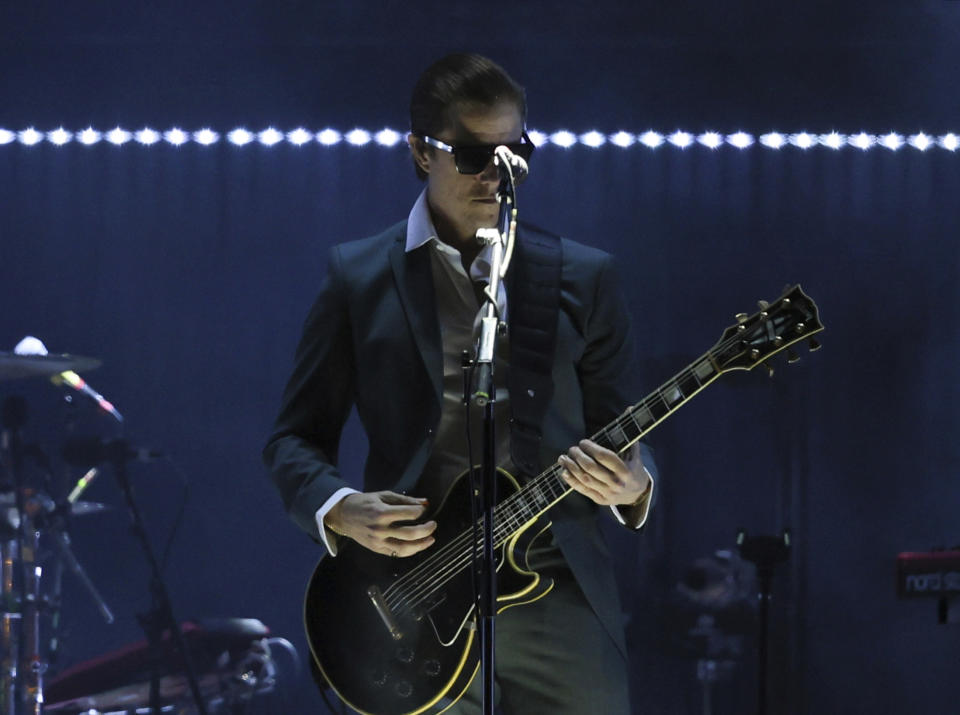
x: 91, y: 451
x: 511, y: 166
x: 75, y: 382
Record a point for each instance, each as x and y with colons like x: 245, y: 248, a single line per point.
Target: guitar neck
x: 548, y: 488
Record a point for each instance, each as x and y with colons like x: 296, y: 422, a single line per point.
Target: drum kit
x: 213, y: 666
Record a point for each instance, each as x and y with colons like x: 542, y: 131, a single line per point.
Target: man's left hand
x: 601, y: 476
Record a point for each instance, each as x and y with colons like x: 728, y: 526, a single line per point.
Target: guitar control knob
x: 404, y: 655
x: 432, y: 667
x: 404, y: 689
x: 378, y: 677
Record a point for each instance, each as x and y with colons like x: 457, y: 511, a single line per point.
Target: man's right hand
x: 371, y: 519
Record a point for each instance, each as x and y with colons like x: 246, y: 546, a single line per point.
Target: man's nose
x: 490, y: 171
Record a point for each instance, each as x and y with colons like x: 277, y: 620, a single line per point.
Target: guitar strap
x: 533, y: 289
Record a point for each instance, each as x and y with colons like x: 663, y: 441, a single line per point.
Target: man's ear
x: 418, y: 149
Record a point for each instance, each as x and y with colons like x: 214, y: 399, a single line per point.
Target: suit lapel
x: 414, y: 280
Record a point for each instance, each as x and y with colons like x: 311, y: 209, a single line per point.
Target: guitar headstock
x: 775, y: 327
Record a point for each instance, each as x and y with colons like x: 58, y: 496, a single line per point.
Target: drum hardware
x: 27, y: 515
x: 236, y: 660
x: 160, y: 618
x: 23, y: 648
x: 167, y: 681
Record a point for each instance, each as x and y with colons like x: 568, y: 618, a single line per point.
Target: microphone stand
x: 160, y: 616
x: 484, y: 395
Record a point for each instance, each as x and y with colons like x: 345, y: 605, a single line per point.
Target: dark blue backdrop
x: 189, y: 271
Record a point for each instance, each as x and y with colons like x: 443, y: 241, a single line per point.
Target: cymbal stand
x: 25, y: 646
x: 9, y: 629
x: 53, y: 520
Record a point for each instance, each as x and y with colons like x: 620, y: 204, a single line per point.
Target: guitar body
x: 383, y: 656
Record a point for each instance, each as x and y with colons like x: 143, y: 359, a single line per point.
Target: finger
x: 584, y: 468
x: 413, y: 532
x: 584, y: 488
x: 389, y: 513
x: 395, y: 498
x: 577, y: 476
x: 400, y: 548
x: 602, y: 464
x: 603, y: 456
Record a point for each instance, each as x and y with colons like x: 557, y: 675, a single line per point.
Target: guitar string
x: 458, y: 551
x: 506, y: 526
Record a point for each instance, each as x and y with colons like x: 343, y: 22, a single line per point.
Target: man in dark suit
x: 386, y: 334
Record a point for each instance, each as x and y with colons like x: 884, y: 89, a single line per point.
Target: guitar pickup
x: 373, y: 592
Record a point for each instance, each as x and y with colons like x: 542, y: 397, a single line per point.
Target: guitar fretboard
x: 548, y: 488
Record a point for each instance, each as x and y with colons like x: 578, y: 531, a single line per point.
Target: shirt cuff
x: 327, y: 537
x: 635, y: 515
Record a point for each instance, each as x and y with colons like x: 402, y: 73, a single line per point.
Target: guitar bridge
x: 385, y: 613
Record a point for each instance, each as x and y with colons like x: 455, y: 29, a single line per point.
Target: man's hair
x: 456, y: 80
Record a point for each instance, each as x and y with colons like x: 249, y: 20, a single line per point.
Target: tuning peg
x: 769, y: 369
x: 792, y: 356
x: 763, y: 304
x: 787, y: 288
x: 741, y: 317
x: 814, y: 344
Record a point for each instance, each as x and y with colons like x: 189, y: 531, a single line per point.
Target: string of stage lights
x: 679, y: 139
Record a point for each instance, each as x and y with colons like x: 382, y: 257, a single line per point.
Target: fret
x: 540, y: 498
x: 617, y: 438
x: 642, y: 419
x: 704, y: 370
x: 657, y: 407
x: 551, y: 485
x: 688, y: 385
x: 671, y: 394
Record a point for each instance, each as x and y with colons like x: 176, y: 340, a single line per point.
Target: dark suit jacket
x: 372, y: 340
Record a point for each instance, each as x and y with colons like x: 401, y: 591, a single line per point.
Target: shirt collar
x: 420, y: 231
x: 420, y: 228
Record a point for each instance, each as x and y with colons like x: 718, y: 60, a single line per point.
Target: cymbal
x: 13, y: 366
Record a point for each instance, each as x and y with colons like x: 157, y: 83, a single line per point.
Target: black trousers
x: 553, y: 656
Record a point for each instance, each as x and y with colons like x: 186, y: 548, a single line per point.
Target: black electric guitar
x: 396, y: 636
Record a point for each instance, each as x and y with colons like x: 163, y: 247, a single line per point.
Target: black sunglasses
x: 474, y: 159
